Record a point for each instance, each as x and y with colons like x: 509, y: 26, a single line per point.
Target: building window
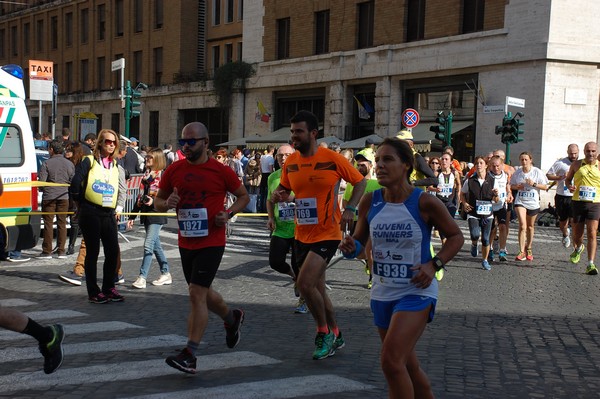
x: 283, y: 38
x: 241, y: 10
x: 415, y: 26
x: 158, y: 14
x: 366, y: 14
x: 473, y: 13
x: 239, y: 51
x: 216, y: 57
x: 137, y: 66
x: 54, y: 33
x: 138, y: 12
x: 40, y: 35
x: 115, y: 119
x: 66, y: 121
x: 216, y: 12
x: 69, y: 77
x: 85, y: 71
x: 14, y: 41
x: 158, y: 65
x: 85, y: 25
x: 153, y: 130
x: 69, y: 29
x: 101, y: 72
x: 230, y: 11
x: 228, y: 53
x: 322, y: 32
x: 101, y: 21
x: 26, y: 37
x: 119, y: 18
x: 2, y: 43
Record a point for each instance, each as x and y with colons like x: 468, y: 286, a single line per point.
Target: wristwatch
x: 438, y: 264
x: 230, y: 213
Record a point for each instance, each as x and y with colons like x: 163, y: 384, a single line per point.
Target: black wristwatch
x: 438, y: 264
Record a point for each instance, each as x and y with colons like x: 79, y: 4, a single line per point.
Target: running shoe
x: 490, y: 257
x: 99, y: 298
x: 164, y: 279
x: 324, y: 345
x: 502, y: 256
x: 338, y: 342
x: 120, y: 279
x: 486, y: 265
x: 140, y: 283
x: 301, y: 308
x: 44, y: 255
x: 474, y: 251
x: 439, y: 275
x: 591, y: 270
x: 17, y: 259
x: 184, y: 361
x: 114, y: 296
x: 566, y: 242
x: 521, y: 256
x: 71, y: 278
x: 529, y: 255
x: 53, y: 350
x: 234, y: 331
x: 495, y: 246
x: 576, y: 254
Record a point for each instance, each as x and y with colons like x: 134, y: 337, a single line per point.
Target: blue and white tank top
x: 400, y: 239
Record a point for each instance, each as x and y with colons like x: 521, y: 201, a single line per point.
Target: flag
x: 366, y: 104
x: 362, y: 112
x: 261, y: 112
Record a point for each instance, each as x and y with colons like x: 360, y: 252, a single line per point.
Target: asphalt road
x: 521, y: 330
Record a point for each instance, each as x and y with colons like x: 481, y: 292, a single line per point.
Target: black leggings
x: 278, y: 251
x: 99, y: 226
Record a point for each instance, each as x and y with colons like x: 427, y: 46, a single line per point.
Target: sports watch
x: 438, y: 264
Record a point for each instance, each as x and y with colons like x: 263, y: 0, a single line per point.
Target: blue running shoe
x: 474, y: 251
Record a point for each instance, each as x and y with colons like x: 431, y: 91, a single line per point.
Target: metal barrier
x: 133, y: 190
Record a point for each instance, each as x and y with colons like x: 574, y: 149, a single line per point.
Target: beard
x: 194, y: 155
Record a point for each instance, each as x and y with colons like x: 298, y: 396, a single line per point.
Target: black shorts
x: 500, y: 217
x: 200, y: 265
x: 530, y: 212
x: 563, y: 207
x: 583, y: 211
x: 325, y: 249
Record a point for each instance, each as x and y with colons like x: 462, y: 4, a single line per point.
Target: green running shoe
x: 339, y: 342
x: 324, y: 346
x: 576, y: 254
x: 439, y: 275
x: 591, y: 270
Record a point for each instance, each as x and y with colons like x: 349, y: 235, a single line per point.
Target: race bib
x: 107, y: 199
x: 483, y: 208
x: 286, y: 211
x: 193, y: 222
x: 306, y: 211
x: 392, y: 268
x: 527, y: 194
x: 445, y: 189
x: 587, y: 193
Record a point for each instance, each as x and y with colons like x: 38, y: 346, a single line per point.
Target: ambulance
x: 18, y: 165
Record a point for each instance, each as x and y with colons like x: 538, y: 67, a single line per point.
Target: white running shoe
x: 566, y: 242
x: 139, y: 283
x: 164, y: 279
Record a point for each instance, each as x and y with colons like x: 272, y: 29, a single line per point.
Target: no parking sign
x: 410, y: 118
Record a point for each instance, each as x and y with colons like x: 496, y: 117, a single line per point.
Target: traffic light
x: 440, y: 129
x: 517, y: 127
x: 132, y: 102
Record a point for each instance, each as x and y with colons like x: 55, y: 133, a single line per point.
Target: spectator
x: 236, y: 163
x: 253, y: 175
x: 57, y: 169
x: 267, y: 166
x: 170, y: 156
x: 66, y: 135
x: 76, y: 151
x: 90, y: 143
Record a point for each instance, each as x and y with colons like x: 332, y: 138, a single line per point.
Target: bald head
x: 573, y: 152
x: 194, y: 130
x: 285, y: 149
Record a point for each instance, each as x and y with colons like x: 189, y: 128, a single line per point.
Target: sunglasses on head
x: 110, y: 142
x: 190, y: 142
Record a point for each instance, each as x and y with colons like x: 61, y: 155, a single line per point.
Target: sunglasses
x: 110, y: 142
x: 219, y: 157
x: 190, y: 142
x: 434, y: 163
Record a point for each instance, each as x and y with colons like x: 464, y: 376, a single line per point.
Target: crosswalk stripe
x: 117, y: 345
x: 59, y: 314
x: 126, y: 371
x: 73, y: 329
x: 271, y: 389
x: 12, y: 302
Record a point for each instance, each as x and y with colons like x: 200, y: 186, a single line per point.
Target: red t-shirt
x: 200, y: 187
x: 315, y: 181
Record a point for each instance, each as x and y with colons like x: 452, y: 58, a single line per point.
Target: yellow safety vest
x: 416, y: 174
x: 102, y: 184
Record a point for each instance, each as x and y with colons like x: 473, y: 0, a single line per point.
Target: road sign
x: 410, y: 118
x: 515, y: 102
x: 492, y: 109
x: 117, y: 64
x: 41, y: 80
